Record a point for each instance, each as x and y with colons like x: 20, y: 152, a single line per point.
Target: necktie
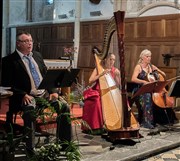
x: 33, y: 71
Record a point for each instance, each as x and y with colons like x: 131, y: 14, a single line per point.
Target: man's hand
x: 53, y: 96
x: 27, y: 99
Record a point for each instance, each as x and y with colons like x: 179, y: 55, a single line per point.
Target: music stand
x: 56, y: 78
x: 131, y: 86
x: 174, y: 89
x: 154, y: 87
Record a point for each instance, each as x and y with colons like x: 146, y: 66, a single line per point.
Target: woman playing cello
x: 147, y: 109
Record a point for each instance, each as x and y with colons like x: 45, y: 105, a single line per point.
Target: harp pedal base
x: 124, y: 133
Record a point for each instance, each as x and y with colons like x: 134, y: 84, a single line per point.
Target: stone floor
x: 152, y: 142
x: 151, y: 146
x: 171, y: 155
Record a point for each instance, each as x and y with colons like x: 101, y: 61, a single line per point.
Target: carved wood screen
x: 160, y: 34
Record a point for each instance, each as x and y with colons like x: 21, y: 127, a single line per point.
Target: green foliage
x: 9, y: 140
x: 44, y: 109
x: 75, y: 97
x: 55, y: 152
x: 72, y: 151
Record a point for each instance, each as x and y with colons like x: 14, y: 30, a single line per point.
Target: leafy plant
x: 8, y: 144
x: 55, y: 152
x: 45, y: 110
x: 76, y: 96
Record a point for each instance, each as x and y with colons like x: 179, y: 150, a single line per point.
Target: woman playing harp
x: 92, y: 111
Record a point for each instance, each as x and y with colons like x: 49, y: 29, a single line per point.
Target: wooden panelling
x: 52, y: 51
x: 141, y: 29
x: 171, y: 72
x: 156, y: 30
x: 85, y: 33
x: 172, y: 28
x: 92, y: 34
x: 84, y: 75
x: 86, y: 58
x: 129, y: 29
x: 92, y: 31
x: 130, y: 60
x: 160, y: 34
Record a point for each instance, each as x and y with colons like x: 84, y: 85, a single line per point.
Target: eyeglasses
x: 26, y: 41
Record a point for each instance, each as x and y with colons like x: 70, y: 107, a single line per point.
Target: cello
x: 161, y: 99
x: 118, y: 117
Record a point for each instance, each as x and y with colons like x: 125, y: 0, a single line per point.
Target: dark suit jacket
x: 14, y: 75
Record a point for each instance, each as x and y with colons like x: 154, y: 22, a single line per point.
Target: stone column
x: 5, y: 23
x: 29, y: 11
x: 120, y: 5
x: 77, y: 31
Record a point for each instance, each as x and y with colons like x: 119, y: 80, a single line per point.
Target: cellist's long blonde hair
x: 145, y: 52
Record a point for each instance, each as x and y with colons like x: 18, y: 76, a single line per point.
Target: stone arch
x: 158, y: 8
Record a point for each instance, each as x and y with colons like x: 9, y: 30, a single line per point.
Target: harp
x: 118, y: 118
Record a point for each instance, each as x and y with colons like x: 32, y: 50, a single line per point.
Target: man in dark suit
x: 17, y: 74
